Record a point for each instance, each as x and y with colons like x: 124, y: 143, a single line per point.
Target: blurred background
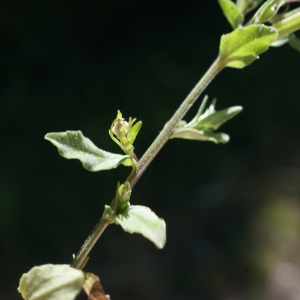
x: 232, y: 211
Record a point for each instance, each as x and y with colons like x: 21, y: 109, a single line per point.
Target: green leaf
x: 140, y: 219
x: 217, y: 118
x: 202, y: 126
x: 201, y: 111
x: 231, y: 12
x: 74, y: 145
x: 133, y: 132
x: 242, y: 46
x: 51, y: 282
x: 200, y: 135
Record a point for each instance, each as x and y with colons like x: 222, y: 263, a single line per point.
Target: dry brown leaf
x: 93, y: 288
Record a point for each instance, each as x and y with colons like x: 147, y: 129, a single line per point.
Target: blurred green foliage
x: 70, y: 66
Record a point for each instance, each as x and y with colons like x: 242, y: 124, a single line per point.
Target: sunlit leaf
x: 231, y: 12
x: 133, y: 132
x: 242, y: 46
x: 200, y: 135
x: 140, y: 219
x: 74, y: 145
x: 51, y: 282
x: 217, y: 118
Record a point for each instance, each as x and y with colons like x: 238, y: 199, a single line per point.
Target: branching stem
x: 82, y: 256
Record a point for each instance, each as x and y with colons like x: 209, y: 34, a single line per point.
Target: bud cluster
x: 124, y: 133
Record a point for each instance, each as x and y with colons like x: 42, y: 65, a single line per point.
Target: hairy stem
x: 82, y: 256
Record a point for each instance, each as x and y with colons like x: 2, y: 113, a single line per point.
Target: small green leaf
x: 217, y: 118
x: 200, y: 135
x: 202, y: 126
x: 140, y: 219
x: 231, y: 12
x: 51, y: 282
x: 242, y: 46
x: 133, y: 132
x: 74, y: 145
x: 201, y: 111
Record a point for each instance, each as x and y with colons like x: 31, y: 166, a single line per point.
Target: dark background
x: 232, y: 211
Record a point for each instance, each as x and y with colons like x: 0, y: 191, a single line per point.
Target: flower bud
x: 123, y: 192
x: 268, y: 10
x: 120, y: 128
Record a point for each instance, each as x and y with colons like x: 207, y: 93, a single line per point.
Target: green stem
x: 164, y: 135
x: 82, y: 256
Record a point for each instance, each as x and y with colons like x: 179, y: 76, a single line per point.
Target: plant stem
x: 164, y: 135
x: 82, y: 256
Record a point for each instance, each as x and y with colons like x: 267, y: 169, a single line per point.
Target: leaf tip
x: 46, y: 137
x: 234, y: 110
x: 162, y: 242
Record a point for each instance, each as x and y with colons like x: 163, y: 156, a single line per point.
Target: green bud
x: 124, y: 133
x: 120, y: 128
x: 268, y: 10
x: 123, y: 192
x: 121, y: 201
